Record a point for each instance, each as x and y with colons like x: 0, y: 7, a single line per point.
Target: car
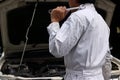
x: 25, y: 51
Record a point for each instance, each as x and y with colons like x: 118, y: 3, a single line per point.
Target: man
x: 83, y: 40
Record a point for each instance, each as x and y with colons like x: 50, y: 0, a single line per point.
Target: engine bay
x: 48, y: 68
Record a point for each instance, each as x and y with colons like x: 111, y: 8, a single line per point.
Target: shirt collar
x: 86, y: 6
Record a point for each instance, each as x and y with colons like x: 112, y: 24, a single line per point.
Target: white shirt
x: 83, y: 39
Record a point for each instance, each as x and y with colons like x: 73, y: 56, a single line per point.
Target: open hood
x: 15, y: 18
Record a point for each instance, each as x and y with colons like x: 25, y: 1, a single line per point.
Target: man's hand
x: 58, y: 14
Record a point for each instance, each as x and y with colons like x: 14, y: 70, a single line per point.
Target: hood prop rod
x: 33, y: 15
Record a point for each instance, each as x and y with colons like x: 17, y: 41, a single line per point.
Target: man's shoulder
x: 82, y: 14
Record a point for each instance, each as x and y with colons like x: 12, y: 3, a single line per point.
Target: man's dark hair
x: 86, y: 1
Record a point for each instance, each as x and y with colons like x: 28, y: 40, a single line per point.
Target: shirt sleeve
x: 62, y: 40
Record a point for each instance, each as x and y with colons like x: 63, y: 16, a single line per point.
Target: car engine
x: 32, y: 69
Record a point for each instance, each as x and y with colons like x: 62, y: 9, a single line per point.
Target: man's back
x: 93, y: 44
